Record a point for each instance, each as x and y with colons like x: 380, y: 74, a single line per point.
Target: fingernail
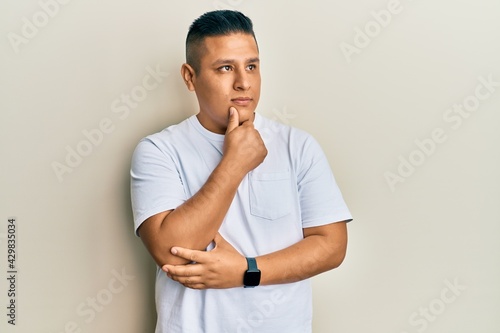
x: 231, y: 111
x: 174, y: 251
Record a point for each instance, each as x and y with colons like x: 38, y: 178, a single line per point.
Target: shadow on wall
x: 178, y: 105
x: 143, y: 263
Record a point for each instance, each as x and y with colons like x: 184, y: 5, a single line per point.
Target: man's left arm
x: 323, y: 248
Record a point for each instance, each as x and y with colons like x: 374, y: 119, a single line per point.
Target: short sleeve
x: 156, y: 185
x: 321, y: 201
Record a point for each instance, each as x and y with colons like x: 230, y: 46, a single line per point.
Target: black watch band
x: 252, y: 275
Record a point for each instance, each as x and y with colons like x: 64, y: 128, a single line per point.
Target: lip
x: 242, y: 101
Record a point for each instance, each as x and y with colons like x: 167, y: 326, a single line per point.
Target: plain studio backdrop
x: 403, y: 96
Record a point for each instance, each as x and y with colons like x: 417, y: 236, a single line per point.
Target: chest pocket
x: 271, y: 194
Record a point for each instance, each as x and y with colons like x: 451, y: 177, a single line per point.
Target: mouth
x: 242, y: 101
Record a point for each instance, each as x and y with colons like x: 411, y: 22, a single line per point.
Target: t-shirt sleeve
x: 155, y: 183
x: 321, y: 201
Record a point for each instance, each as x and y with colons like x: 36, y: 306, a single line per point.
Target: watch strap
x: 252, y: 265
x: 251, y: 278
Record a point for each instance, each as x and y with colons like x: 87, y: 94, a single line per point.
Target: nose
x: 241, y: 80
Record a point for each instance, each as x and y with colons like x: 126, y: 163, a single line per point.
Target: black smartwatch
x: 252, y: 275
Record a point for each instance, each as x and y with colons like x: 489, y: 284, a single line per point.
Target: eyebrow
x: 232, y: 61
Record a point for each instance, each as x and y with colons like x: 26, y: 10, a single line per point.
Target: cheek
x: 220, y: 93
x: 216, y: 98
x: 210, y: 92
x: 257, y: 81
x: 217, y: 88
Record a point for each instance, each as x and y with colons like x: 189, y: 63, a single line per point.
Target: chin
x: 245, y: 113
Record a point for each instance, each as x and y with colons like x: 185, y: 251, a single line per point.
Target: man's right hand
x: 244, y: 148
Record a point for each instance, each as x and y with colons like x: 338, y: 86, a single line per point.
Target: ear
x: 188, y: 75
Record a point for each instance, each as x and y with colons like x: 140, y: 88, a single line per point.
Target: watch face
x: 251, y: 279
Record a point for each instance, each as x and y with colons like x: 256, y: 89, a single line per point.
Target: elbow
x: 335, y: 255
x: 160, y: 252
x: 337, y: 259
x: 153, y: 237
x: 162, y: 256
x: 337, y: 249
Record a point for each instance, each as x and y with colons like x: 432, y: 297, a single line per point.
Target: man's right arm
x: 195, y: 223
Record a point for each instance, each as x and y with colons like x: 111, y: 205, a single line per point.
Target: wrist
x: 232, y: 168
x: 251, y: 277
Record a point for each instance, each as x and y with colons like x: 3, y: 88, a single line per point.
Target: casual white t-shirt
x: 292, y: 189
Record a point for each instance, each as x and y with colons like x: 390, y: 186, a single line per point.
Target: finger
x: 193, y: 282
x: 249, y: 121
x: 195, y: 285
x: 192, y: 255
x: 234, y: 119
x: 183, y: 271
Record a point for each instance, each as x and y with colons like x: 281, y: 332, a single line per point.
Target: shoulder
x: 168, y: 135
x: 164, y: 141
x: 273, y: 131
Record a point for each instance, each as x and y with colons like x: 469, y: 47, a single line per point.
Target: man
x: 237, y: 211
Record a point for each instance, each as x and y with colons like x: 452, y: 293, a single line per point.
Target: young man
x: 237, y: 211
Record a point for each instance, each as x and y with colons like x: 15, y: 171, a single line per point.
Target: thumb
x: 234, y: 119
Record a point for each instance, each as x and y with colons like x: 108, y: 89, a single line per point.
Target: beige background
x: 436, y: 226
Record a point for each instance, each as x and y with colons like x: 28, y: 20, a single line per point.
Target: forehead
x: 236, y: 46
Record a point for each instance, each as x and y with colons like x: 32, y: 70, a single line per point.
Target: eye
x: 225, y: 68
x: 251, y: 67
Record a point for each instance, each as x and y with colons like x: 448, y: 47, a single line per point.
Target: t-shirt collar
x: 214, y: 136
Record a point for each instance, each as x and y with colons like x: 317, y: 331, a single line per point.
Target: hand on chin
x: 244, y: 113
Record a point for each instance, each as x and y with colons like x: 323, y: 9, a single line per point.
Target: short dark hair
x: 214, y: 23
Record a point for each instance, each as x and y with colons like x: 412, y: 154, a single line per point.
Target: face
x: 229, y: 75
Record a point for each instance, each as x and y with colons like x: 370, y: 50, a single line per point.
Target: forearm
x: 322, y: 249
x: 194, y: 223
x: 315, y: 254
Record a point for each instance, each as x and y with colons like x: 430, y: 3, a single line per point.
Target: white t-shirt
x: 292, y: 189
